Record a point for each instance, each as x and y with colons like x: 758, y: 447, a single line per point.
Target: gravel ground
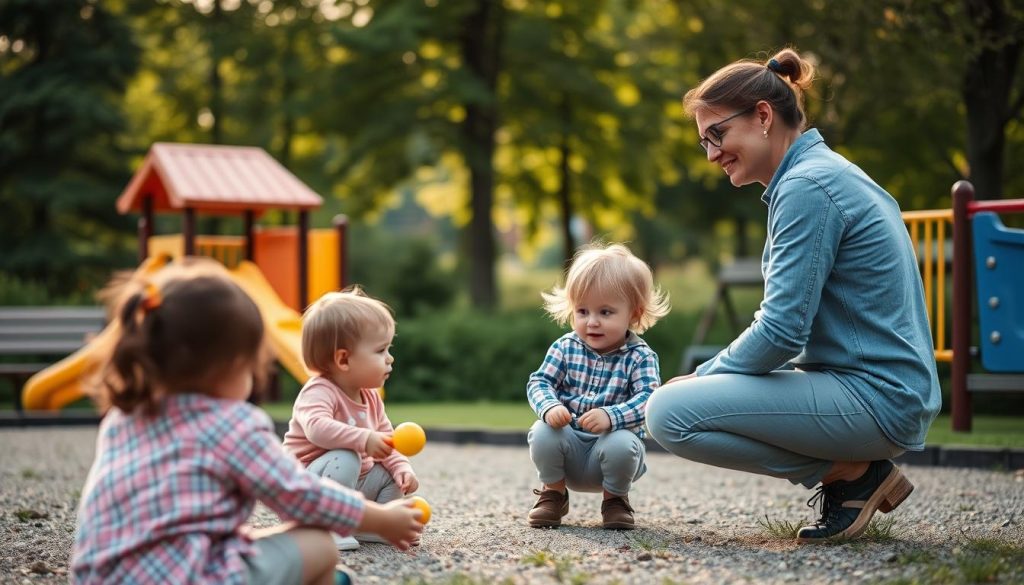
x: 696, y: 524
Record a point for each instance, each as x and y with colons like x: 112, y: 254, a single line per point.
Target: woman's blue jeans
x: 790, y: 424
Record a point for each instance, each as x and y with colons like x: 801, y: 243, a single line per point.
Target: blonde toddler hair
x: 339, y: 320
x: 611, y: 269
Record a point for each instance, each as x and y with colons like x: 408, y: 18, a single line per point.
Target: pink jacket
x: 324, y: 419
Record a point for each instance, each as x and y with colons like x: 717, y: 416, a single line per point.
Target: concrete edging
x: 993, y: 458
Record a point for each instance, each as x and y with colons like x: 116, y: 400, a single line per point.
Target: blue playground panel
x: 999, y: 270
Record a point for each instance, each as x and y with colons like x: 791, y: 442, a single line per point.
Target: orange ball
x: 409, y: 438
x: 424, y: 508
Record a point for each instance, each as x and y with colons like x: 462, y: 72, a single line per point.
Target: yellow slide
x: 283, y: 324
x: 61, y: 384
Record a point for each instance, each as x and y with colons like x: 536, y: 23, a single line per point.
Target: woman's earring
x: 764, y: 131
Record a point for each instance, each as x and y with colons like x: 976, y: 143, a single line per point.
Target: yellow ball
x: 424, y: 508
x: 409, y: 438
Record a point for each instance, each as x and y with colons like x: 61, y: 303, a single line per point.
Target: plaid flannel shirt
x: 167, y: 495
x: 577, y: 377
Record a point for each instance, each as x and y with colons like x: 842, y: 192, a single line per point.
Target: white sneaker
x: 345, y: 542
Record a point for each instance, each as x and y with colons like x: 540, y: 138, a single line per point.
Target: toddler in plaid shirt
x: 591, y: 391
x: 182, y: 458
x: 339, y: 429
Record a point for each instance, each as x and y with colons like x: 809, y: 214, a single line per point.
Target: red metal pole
x: 963, y: 194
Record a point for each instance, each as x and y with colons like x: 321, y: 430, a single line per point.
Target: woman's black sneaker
x: 847, y: 506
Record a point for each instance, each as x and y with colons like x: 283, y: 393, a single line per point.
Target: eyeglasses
x: 714, y: 136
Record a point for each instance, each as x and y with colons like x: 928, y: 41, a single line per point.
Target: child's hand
x: 378, y: 445
x: 558, y: 417
x: 596, y: 421
x: 397, y: 521
x: 407, y: 482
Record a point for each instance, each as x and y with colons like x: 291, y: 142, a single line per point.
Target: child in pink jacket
x: 339, y: 429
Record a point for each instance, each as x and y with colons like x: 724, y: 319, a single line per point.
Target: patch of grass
x: 916, y: 556
x: 24, y: 515
x: 992, y: 431
x: 517, y: 416
x: 647, y: 542
x: 498, y: 416
x: 457, y: 579
x: 562, y: 566
x: 778, y: 528
x: 978, y: 560
x: 29, y: 473
x: 538, y: 558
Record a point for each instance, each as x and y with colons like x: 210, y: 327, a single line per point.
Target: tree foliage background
x: 508, y: 120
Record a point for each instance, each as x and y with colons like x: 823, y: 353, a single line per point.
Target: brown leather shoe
x: 616, y: 513
x: 549, y: 509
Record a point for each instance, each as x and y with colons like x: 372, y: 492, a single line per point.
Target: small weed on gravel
x: 562, y: 565
x: 29, y: 473
x: 24, y: 514
x: 651, y: 544
x: 884, y: 529
x: 538, y: 558
x: 779, y: 528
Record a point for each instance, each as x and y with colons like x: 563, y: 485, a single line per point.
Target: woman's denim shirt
x: 842, y: 293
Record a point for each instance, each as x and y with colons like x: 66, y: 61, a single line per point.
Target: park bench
x: 743, y: 272
x: 32, y: 338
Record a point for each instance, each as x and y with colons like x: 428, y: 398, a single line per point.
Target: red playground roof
x: 213, y: 178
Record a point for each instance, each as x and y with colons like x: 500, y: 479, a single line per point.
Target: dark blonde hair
x: 614, y: 270
x: 339, y: 320
x: 781, y: 81
x: 178, y: 331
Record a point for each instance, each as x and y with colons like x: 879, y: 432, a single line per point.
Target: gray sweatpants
x: 342, y: 466
x: 588, y: 462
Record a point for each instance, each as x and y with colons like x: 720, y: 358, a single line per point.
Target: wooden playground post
x: 250, y: 242
x: 340, y: 222
x: 145, y: 226
x: 963, y: 194
x: 188, y: 230
x: 303, y: 259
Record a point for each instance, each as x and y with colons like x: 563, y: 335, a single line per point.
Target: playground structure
x: 993, y: 254
x: 281, y: 268
x: 948, y: 242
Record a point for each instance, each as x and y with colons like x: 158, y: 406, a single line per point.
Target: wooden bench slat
x: 995, y: 383
x: 37, y: 347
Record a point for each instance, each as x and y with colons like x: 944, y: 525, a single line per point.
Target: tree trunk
x: 564, y: 200
x: 287, y: 91
x: 216, y: 91
x: 988, y: 81
x: 481, y: 51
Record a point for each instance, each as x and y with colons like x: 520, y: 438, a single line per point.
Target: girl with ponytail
x: 182, y: 457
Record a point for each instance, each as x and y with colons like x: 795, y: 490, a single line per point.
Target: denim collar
x: 807, y: 140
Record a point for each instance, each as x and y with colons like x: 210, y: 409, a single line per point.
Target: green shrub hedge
x: 461, y: 355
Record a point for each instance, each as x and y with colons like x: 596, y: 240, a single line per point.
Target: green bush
x: 403, y: 271
x: 460, y: 355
